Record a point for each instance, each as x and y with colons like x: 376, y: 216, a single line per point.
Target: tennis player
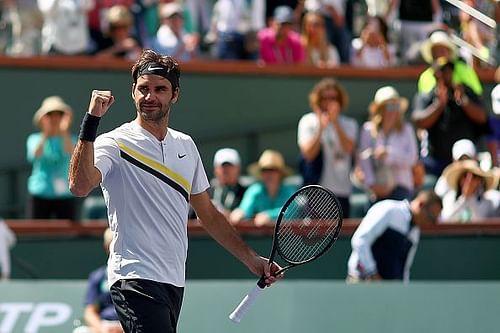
x: 150, y: 174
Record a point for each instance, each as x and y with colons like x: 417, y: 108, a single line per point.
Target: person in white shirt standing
x: 150, y: 174
x: 327, y: 137
x: 65, y: 30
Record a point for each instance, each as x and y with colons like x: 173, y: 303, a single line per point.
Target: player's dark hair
x: 151, y: 57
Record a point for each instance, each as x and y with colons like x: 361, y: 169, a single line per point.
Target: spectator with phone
x: 372, y: 49
x: 449, y: 112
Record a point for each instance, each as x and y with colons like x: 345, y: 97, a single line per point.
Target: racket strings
x: 308, y: 226
x: 304, y: 226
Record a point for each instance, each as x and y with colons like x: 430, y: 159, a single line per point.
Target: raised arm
x: 83, y: 175
x: 426, y: 114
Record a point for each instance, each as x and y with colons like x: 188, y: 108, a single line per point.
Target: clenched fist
x: 100, y: 102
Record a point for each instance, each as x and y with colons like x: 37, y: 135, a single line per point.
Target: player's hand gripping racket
x: 307, y: 226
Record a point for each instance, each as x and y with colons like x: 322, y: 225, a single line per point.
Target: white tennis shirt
x: 147, y: 184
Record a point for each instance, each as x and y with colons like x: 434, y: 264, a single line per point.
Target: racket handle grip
x: 245, y: 304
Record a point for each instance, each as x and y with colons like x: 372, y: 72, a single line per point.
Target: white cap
x: 463, y: 147
x: 226, y: 155
x: 495, y: 99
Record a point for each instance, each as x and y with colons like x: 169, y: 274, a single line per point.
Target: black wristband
x: 88, y: 129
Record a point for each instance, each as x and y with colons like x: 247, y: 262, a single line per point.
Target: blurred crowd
x: 323, y: 33
x: 446, y: 136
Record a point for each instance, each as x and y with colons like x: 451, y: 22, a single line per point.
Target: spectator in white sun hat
x: 463, y: 149
x: 472, y: 195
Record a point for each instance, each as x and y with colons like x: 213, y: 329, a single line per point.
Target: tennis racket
x: 307, y: 226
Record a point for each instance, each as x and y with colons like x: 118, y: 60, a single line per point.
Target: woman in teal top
x: 263, y: 200
x: 49, y: 152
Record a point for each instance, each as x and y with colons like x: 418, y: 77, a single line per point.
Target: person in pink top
x: 279, y: 44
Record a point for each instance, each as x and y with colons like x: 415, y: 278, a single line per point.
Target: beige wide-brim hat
x: 51, y: 104
x: 437, y: 38
x: 169, y: 9
x: 454, y: 172
x: 384, y: 95
x: 119, y: 15
x: 270, y: 159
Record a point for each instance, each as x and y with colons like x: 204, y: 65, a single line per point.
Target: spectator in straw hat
x: 472, y: 193
x: 439, y: 44
x: 49, y: 153
x: 388, y: 148
x: 120, y: 42
x: 463, y: 149
x: 263, y: 200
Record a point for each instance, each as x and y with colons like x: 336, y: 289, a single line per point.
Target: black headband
x: 159, y: 69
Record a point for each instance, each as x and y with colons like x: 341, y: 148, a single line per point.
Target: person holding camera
x: 448, y: 113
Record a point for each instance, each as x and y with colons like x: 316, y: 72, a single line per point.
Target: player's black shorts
x: 145, y: 306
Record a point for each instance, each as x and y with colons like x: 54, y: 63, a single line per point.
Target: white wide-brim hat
x: 51, y: 104
x: 386, y: 94
x: 437, y: 38
x: 454, y: 172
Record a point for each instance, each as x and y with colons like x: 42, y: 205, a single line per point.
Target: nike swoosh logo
x: 181, y: 156
x: 153, y: 68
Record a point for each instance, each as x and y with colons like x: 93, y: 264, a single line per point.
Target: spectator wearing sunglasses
x: 387, y: 149
x: 49, y: 152
x: 327, y: 140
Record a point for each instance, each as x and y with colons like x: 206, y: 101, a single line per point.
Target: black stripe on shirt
x: 155, y: 173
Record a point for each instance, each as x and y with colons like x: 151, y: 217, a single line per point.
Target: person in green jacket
x: 439, y: 44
